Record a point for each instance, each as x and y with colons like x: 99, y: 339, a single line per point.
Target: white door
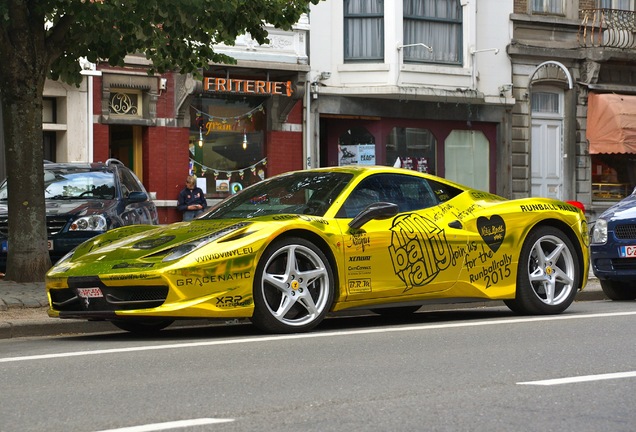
x: 546, y: 153
x: 547, y: 158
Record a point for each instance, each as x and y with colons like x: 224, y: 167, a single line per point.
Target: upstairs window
x: 616, y: 4
x: 363, y: 31
x: 437, y: 24
x: 551, y: 7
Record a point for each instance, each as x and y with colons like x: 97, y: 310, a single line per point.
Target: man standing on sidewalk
x: 191, y: 199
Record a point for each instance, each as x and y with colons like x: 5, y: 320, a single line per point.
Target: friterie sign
x: 225, y: 85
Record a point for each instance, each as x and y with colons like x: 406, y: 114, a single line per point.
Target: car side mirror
x: 378, y: 210
x: 137, y: 196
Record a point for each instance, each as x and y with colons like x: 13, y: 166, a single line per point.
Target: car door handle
x: 455, y: 224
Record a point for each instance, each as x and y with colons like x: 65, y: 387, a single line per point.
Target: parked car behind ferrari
x: 83, y: 200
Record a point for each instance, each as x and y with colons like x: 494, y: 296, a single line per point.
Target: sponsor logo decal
x: 223, y: 255
x: 360, y: 258
x: 492, y: 230
x: 232, y: 301
x: 357, y: 286
x: 202, y: 280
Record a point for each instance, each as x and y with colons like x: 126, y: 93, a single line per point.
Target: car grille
x: 624, y: 264
x: 115, y: 298
x: 53, y: 225
x: 627, y: 231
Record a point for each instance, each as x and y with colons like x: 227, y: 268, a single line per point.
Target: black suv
x: 83, y: 200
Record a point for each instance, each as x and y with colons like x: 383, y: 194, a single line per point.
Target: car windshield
x: 308, y: 193
x: 69, y: 184
x: 61, y: 184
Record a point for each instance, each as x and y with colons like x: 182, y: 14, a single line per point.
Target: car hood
x: 139, y: 241
x: 625, y: 209
x: 78, y: 207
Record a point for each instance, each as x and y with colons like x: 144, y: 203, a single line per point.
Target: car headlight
x: 193, y: 245
x: 90, y: 223
x: 599, y: 232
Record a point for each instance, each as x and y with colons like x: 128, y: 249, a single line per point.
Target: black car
x: 83, y: 200
x: 613, y: 249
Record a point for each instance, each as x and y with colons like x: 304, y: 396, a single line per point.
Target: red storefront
x: 231, y: 129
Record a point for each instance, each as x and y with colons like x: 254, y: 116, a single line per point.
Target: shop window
x: 227, y: 144
x: 466, y: 155
x: 412, y: 148
x: 356, y: 147
x: 551, y: 7
x: 435, y: 23
x: 363, y: 31
x: 613, y: 176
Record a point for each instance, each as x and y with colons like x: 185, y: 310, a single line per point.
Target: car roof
x: 110, y: 163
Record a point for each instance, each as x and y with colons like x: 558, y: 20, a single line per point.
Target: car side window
x: 128, y: 183
x: 410, y: 193
x: 442, y: 191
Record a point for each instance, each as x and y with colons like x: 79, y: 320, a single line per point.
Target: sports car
x: 288, y: 250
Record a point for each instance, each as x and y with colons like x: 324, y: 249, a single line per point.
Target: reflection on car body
x: 286, y: 251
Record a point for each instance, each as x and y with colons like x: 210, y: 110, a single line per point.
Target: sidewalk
x: 23, y: 311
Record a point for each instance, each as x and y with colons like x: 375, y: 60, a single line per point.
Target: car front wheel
x: 293, y: 287
x: 619, y: 290
x: 548, y: 275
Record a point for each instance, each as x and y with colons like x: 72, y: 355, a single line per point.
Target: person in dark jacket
x: 191, y: 199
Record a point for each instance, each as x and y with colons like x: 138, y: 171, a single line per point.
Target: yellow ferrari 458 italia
x: 288, y: 250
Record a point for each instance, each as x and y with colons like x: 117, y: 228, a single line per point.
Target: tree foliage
x: 42, y: 39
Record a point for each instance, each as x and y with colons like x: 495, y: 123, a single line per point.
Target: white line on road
x: 169, y: 425
x: 585, y: 378
x: 261, y: 339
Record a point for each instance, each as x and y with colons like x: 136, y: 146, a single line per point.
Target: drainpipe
x: 307, y: 130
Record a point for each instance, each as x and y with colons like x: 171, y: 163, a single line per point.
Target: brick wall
x: 284, y: 152
x: 101, y: 139
x: 165, y: 153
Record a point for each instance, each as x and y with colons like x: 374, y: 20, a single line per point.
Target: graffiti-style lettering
x: 419, y: 250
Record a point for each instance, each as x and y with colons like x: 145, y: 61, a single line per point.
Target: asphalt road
x: 464, y: 370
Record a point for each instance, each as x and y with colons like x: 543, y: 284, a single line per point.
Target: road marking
x: 579, y: 379
x: 275, y: 338
x: 169, y: 425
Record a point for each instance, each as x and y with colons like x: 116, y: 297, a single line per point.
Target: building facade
x: 573, y: 66
x: 231, y: 127
x: 425, y: 85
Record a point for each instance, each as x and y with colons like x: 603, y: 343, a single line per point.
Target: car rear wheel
x: 142, y: 326
x: 548, y: 275
x: 293, y: 287
x: 615, y: 290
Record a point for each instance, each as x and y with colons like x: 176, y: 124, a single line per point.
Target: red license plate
x: 89, y: 292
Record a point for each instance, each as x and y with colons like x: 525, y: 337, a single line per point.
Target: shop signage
x: 224, y: 85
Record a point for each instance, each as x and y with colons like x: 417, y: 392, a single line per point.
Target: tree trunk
x: 28, y: 258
